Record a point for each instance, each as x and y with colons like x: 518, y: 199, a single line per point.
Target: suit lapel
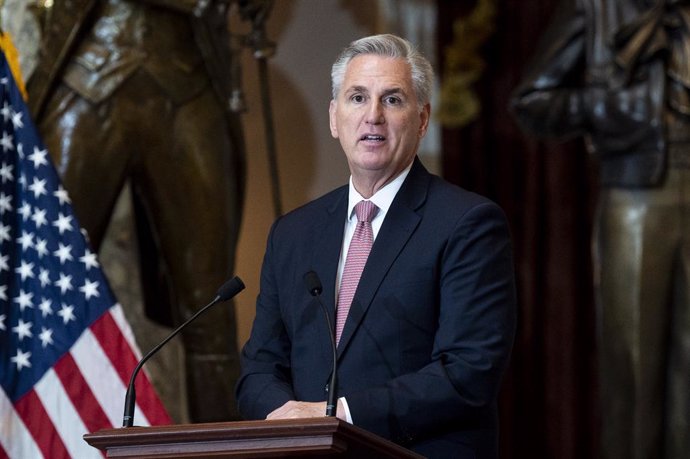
x: 325, y: 255
x: 402, y: 219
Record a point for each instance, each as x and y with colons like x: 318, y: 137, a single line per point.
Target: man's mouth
x: 372, y: 138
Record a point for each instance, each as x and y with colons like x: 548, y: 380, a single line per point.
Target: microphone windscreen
x: 313, y: 283
x: 230, y: 289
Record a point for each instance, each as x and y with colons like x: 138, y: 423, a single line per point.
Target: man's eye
x: 357, y: 98
x: 392, y: 100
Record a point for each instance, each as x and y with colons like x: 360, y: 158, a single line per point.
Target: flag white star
x: 25, y: 270
x: 26, y: 241
x: 62, y: 195
x: 89, y: 260
x: 6, y: 172
x: 44, y: 277
x: 6, y: 111
x: 5, y: 203
x: 65, y: 283
x: 4, y: 266
x: 63, y: 223
x: 3, y: 292
x: 38, y: 187
x: 67, y: 313
x: 39, y: 217
x: 6, y: 142
x: 89, y: 289
x: 24, y: 300
x: 41, y: 247
x: 17, y: 120
x: 38, y: 157
x: 21, y: 359
x: 23, y: 330
x: 25, y: 211
x: 44, y: 307
x: 64, y: 253
x: 22, y: 180
x: 5, y: 232
x: 2, y: 322
x: 46, y: 336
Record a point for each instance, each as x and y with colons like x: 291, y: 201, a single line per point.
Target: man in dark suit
x: 431, y: 324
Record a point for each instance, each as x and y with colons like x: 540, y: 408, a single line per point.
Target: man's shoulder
x: 325, y: 203
x: 428, y: 188
x: 316, y: 211
x: 447, y: 195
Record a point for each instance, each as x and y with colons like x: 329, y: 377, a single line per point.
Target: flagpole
x: 263, y: 49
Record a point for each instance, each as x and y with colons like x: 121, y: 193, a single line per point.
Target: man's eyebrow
x: 357, y: 89
x: 391, y: 91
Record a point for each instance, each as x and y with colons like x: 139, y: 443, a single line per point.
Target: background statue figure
x: 138, y: 91
x: 618, y: 72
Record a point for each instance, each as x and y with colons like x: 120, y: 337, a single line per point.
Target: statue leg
x: 83, y: 143
x: 189, y: 186
x: 678, y: 400
x: 636, y: 234
x: 185, y: 166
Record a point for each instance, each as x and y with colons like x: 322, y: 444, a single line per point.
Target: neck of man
x: 368, y: 182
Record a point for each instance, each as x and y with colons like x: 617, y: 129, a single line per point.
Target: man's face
x: 377, y: 118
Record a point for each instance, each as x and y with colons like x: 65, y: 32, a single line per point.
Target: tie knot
x: 366, y: 211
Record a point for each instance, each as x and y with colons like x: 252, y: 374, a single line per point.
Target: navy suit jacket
x: 429, y: 331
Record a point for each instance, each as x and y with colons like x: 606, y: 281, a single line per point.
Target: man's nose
x: 375, y: 113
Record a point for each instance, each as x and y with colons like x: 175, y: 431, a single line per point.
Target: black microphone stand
x: 227, y: 291
x: 315, y: 288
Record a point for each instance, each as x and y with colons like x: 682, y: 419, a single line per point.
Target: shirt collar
x: 383, y: 198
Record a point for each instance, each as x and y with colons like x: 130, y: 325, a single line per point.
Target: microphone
x: 225, y: 292
x: 315, y: 288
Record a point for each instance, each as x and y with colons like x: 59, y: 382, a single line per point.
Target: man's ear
x: 331, y: 118
x: 425, y: 116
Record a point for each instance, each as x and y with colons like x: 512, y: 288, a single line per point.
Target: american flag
x: 66, y: 349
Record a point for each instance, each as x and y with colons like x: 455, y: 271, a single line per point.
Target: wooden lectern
x: 313, y: 438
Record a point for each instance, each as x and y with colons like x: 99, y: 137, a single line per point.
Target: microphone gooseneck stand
x: 225, y: 292
x: 315, y: 288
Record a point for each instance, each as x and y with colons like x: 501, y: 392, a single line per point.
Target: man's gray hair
x: 387, y: 45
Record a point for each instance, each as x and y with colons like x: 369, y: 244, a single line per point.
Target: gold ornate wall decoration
x: 464, y: 65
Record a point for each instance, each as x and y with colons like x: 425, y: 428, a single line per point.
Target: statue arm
x: 194, y: 7
x: 551, y: 99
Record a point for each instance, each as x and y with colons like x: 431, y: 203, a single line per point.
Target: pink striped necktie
x: 357, y: 254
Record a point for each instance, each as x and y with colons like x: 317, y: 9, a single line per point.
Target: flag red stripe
x: 107, y: 332
x: 123, y: 359
x: 81, y: 395
x: 31, y: 411
x: 3, y: 453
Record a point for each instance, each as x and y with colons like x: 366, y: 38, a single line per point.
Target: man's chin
x: 371, y: 161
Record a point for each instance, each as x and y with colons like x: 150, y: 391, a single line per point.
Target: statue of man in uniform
x: 618, y: 72
x: 139, y: 91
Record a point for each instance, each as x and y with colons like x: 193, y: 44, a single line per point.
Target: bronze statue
x: 139, y: 91
x: 618, y: 72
